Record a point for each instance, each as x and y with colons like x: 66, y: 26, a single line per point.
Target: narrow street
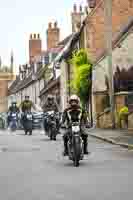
x: 33, y: 168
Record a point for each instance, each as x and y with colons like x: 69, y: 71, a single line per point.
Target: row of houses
x: 89, y: 33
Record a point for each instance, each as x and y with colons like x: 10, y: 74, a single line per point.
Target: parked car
x: 2, y: 123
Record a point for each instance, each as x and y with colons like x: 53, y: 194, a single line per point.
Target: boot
x: 65, y: 153
x: 85, y: 147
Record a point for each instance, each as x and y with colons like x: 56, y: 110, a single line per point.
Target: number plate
x: 75, y: 129
x: 13, y: 115
x: 36, y: 120
x: 29, y: 117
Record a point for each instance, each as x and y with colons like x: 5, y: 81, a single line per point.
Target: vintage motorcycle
x: 27, y: 122
x: 50, y: 124
x: 75, y: 142
x: 13, y: 124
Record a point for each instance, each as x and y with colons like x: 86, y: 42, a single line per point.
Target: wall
x: 121, y: 57
x: 95, y: 25
x: 3, y: 95
x: 63, y: 84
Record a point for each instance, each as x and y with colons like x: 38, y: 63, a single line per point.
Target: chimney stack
x: 76, y: 17
x: 35, y: 46
x: 53, y: 35
x: 74, y: 8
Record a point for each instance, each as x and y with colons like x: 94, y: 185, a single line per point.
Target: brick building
x: 32, y: 77
x: 122, y: 12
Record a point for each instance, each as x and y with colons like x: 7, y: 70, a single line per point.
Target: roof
x: 49, y: 85
x: 68, y: 48
x: 13, y: 86
x: 65, y: 40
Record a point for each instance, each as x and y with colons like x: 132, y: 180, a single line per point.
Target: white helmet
x: 74, y: 98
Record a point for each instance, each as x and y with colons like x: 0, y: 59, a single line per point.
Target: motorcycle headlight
x: 75, y: 129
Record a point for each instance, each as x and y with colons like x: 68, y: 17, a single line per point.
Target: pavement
x: 123, y: 137
x: 33, y: 168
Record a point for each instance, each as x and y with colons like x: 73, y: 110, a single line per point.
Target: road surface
x: 33, y: 168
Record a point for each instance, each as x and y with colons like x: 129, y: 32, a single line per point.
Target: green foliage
x: 81, y: 75
x: 123, y: 112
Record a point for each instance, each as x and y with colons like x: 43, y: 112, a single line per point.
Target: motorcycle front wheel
x: 77, y: 151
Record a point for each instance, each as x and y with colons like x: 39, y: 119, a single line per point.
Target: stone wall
x: 104, y: 121
x: 3, y: 95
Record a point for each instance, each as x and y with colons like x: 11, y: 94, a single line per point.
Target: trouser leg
x: 65, y: 140
x: 85, y: 141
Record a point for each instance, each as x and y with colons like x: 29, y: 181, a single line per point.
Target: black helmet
x: 14, y: 102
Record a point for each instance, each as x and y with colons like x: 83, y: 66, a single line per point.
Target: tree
x: 82, y: 76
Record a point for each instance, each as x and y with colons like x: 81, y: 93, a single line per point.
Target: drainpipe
x: 108, y: 41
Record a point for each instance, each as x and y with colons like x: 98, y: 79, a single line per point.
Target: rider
x: 75, y: 110
x: 50, y: 105
x: 27, y: 104
x: 12, y: 108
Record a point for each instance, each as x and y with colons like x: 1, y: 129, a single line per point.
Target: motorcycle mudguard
x: 77, y: 146
x: 27, y: 125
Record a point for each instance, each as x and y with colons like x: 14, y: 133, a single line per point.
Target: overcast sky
x: 19, y: 18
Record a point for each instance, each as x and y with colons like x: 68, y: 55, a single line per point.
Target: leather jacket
x: 48, y: 107
x: 74, y: 113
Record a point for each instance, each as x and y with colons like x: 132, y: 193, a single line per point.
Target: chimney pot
x: 55, y: 25
x: 91, y: 3
x: 50, y: 25
x: 86, y: 9
x: 75, y: 8
x: 80, y: 8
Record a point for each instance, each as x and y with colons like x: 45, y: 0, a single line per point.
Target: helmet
x: 74, y: 98
x: 14, y: 102
x: 50, y: 97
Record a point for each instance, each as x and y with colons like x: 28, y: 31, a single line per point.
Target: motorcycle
x: 13, y: 124
x: 75, y: 143
x: 50, y: 125
x: 27, y: 122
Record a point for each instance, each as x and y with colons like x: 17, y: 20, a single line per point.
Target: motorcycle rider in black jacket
x: 50, y: 105
x: 74, y: 110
